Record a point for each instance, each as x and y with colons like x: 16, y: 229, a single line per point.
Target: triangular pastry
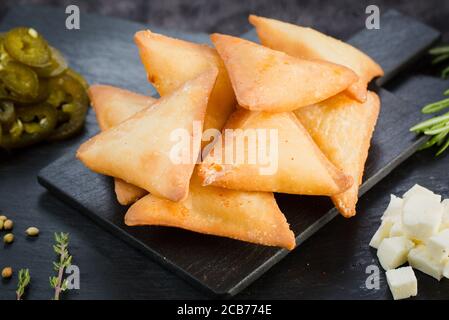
x: 267, y: 80
x: 140, y: 149
x: 291, y: 162
x: 112, y: 106
x: 307, y: 43
x: 342, y: 127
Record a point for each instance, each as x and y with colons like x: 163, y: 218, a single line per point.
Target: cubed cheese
x: 438, y: 245
x: 445, y: 219
x: 420, y: 259
x: 421, y: 215
x: 397, y: 229
x: 382, y: 233
x: 392, y: 252
x: 417, y: 189
x: 402, y: 283
x: 394, y: 208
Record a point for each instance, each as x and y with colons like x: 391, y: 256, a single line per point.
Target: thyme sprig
x: 24, y: 281
x: 65, y: 260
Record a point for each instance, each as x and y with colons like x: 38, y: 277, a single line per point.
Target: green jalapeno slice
x: 57, y: 65
x: 19, y: 79
x: 28, y: 47
x: 70, y: 99
x: 7, y: 112
x: 33, y: 124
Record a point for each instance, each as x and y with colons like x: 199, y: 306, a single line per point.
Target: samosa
x: 263, y: 151
x: 140, y: 150
x: 112, y: 106
x: 267, y: 80
x: 248, y: 216
x: 170, y: 62
x: 307, y: 43
x: 342, y: 127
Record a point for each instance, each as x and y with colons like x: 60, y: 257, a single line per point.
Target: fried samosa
x: 307, y: 43
x: 248, y: 216
x: 112, y: 106
x: 140, y: 149
x: 293, y: 164
x: 267, y: 80
x: 342, y: 127
x: 170, y: 62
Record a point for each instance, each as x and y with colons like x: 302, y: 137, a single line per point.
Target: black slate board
x: 221, y: 266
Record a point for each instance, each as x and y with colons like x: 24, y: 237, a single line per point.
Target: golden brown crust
x: 308, y: 43
x: 301, y: 166
x: 247, y: 216
x: 138, y: 150
x: 268, y: 80
x: 342, y: 128
x: 170, y: 62
x: 127, y: 193
x: 112, y: 106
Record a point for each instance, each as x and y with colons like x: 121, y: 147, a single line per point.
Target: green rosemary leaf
x: 440, y: 58
x: 445, y: 73
x: 439, y: 50
x: 436, y: 106
x: 443, y: 148
x: 430, y: 122
x: 431, y: 132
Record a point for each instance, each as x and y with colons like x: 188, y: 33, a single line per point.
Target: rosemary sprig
x: 441, y: 54
x: 437, y: 127
x: 24, y: 280
x: 65, y: 259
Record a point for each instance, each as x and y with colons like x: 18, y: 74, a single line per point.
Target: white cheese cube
x: 421, y: 216
x: 397, y: 230
x: 392, y: 252
x: 394, y: 208
x: 417, y: 189
x: 382, y: 233
x: 402, y: 283
x: 420, y: 259
x: 445, y: 219
x: 438, y: 245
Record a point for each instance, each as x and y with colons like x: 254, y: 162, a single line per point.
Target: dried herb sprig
x: 65, y: 260
x: 24, y: 280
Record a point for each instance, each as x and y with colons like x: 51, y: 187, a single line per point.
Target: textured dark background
x: 329, y: 265
x: 341, y: 18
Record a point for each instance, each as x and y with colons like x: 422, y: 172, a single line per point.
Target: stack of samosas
x: 308, y: 88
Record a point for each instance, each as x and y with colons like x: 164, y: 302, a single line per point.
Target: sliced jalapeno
x: 57, y: 65
x: 20, y: 79
x: 33, y: 124
x: 28, y: 47
x: 72, y: 73
x: 4, y: 56
x: 7, y: 112
x: 42, y: 94
x: 69, y: 98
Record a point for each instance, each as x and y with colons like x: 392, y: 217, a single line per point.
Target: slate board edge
x: 259, y: 271
x: 256, y: 273
x: 127, y: 237
x: 325, y: 219
x: 412, y: 59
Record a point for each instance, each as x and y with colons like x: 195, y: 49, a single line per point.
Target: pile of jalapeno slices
x: 41, y: 98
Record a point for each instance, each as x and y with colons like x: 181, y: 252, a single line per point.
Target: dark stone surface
x: 329, y: 265
x: 341, y: 18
